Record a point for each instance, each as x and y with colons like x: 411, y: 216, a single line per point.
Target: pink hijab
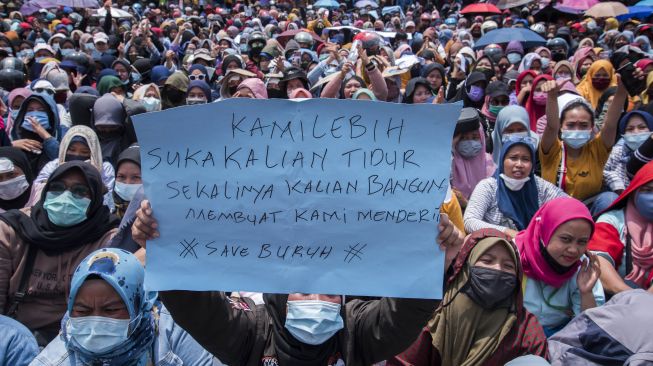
x: 18, y: 92
x: 544, y: 223
x: 468, y: 172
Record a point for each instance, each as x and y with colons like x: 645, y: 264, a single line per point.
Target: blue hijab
x: 519, y: 206
x: 125, y: 274
x: 623, y: 122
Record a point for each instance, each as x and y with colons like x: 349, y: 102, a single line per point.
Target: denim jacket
x: 172, y: 347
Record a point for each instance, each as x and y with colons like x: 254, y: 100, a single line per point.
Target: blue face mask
x: 576, y: 139
x: 98, y: 334
x: 514, y: 58
x: 66, y: 51
x: 635, y: 140
x: 64, y: 209
x: 469, y: 148
x: 13, y: 114
x: 26, y: 54
x: 126, y: 191
x: 545, y: 63
x: 644, y: 204
x: 476, y: 93
x: 313, y: 322
x: 40, y: 116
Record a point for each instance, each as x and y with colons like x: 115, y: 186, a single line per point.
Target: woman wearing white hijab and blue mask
x: 112, y: 320
x: 128, y: 178
x: 298, y: 329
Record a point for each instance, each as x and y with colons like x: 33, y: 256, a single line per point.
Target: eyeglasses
x: 78, y: 190
x: 197, y: 77
x: 44, y: 90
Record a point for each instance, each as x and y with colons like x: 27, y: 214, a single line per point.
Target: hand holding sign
x: 280, y: 196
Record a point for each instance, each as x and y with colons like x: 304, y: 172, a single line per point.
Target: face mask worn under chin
x: 512, y: 183
x: 490, y: 288
x: 644, y: 204
x: 635, y: 140
x: 576, y: 139
x: 126, y: 191
x: 64, y: 209
x: 313, y: 322
x: 469, y: 148
x: 98, y: 334
x: 12, y: 188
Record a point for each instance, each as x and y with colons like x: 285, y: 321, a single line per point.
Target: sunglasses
x: 197, y: 77
x: 78, y: 190
x: 44, y: 90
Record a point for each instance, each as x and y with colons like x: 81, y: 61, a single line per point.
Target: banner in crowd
x: 316, y: 196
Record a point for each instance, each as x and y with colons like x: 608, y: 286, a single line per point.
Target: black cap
x: 469, y: 120
x: 497, y: 88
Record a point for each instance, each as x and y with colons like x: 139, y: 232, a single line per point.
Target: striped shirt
x: 483, y: 209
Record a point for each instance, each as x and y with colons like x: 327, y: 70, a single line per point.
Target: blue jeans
x: 602, y: 201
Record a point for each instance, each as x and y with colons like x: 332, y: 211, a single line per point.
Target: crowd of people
x: 547, y: 226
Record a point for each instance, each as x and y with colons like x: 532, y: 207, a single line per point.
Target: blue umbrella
x: 33, y: 6
x: 645, y: 3
x: 527, y: 37
x: 329, y: 4
x: 640, y: 12
x: 364, y: 3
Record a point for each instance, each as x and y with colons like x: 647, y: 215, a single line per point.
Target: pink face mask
x: 539, y: 98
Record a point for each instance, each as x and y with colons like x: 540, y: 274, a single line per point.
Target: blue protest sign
x: 319, y: 196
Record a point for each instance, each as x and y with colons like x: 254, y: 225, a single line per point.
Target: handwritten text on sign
x: 319, y: 196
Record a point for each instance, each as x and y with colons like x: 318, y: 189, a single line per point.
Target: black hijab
x: 20, y: 160
x: 290, y: 351
x: 37, y: 229
x: 412, y: 85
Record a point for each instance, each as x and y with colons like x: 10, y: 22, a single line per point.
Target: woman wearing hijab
x: 16, y: 179
x: 150, y: 96
x: 508, y: 200
x: 512, y: 122
x: 66, y: 224
x: 36, y: 130
x: 583, y: 58
x: 471, y: 163
x: 523, y: 85
x: 174, y: 90
x: 563, y: 70
x: 134, y: 330
x: 561, y: 281
x: 497, y: 97
x: 436, y: 76
x: 128, y: 178
x: 80, y: 144
x: 571, y: 156
x: 255, y: 88
x: 472, y: 93
x: 199, y: 92
x: 15, y: 100
x: 110, y: 84
x: 418, y: 91
x: 536, y: 101
x: 634, y: 129
x: 110, y: 124
x: 482, y: 319
x: 623, y: 237
x: 531, y: 61
x: 599, y: 77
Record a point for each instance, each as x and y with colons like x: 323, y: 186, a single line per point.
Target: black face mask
x: 490, y: 288
x: 276, y: 93
x: 71, y: 157
x: 558, y: 56
x: 174, y: 95
x: 555, y: 266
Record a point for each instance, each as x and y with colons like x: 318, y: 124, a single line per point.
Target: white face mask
x: 516, y: 135
x: 126, y: 191
x: 12, y: 188
x: 512, y: 183
x: 152, y: 104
